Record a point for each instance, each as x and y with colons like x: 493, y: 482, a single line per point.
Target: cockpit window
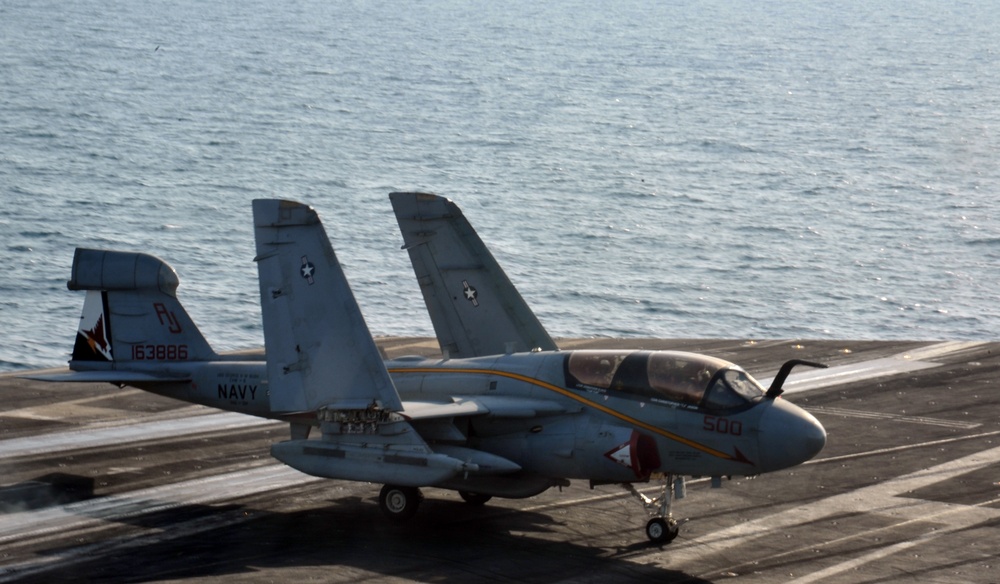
x: 744, y: 384
x: 594, y: 368
x: 684, y: 379
x: 680, y: 377
x: 731, y: 390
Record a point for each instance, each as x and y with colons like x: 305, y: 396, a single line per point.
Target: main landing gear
x: 399, y: 503
x: 661, y: 528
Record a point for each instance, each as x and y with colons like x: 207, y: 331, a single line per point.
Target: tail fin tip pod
x: 320, y: 353
x: 474, y: 307
x: 96, y: 269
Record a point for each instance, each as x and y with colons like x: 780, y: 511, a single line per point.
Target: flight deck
x: 119, y: 485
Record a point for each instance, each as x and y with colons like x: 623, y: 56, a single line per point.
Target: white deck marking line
x: 117, y: 545
x: 58, y: 412
x: 200, y: 491
x: 893, y: 417
x: 887, y: 499
x: 940, y: 350
x: 973, y: 518
x: 915, y: 360
x: 806, y: 380
x: 32, y: 412
x: 91, y: 438
x: 97, y: 513
x: 900, y: 448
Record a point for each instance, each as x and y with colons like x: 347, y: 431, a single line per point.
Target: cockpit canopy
x: 677, y: 378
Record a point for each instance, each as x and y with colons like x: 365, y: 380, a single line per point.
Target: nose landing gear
x: 661, y: 528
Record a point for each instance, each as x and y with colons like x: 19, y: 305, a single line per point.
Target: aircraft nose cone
x: 788, y: 436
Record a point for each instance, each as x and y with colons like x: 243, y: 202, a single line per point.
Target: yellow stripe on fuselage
x: 567, y: 393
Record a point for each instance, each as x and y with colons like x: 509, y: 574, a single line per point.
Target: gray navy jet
x: 503, y: 412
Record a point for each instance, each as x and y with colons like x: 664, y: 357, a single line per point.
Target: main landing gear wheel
x: 661, y: 531
x: 476, y: 499
x: 399, y: 503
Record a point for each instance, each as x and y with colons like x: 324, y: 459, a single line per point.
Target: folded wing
x: 320, y: 353
x: 322, y: 360
x: 474, y: 307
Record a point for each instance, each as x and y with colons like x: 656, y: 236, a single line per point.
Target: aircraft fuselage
x: 537, y: 412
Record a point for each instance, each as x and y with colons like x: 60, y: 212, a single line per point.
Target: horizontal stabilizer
x: 120, y: 377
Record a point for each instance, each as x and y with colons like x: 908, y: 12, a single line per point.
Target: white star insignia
x: 307, y: 270
x: 470, y: 293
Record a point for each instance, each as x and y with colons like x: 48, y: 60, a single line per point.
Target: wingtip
x: 423, y: 206
x: 283, y: 212
x: 415, y: 195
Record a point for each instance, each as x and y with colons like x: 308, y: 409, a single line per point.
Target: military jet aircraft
x: 503, y: 412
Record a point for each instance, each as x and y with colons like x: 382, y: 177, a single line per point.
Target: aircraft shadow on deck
x: 450, y: 543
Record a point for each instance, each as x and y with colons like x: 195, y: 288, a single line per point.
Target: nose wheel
x: 661, y: 528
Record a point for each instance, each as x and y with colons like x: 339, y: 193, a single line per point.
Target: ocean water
x: 672, y: 169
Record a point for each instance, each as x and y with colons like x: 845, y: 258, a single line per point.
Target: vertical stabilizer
x: 131, y: 312
x: 474, y: 307
x: 320, y: 353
